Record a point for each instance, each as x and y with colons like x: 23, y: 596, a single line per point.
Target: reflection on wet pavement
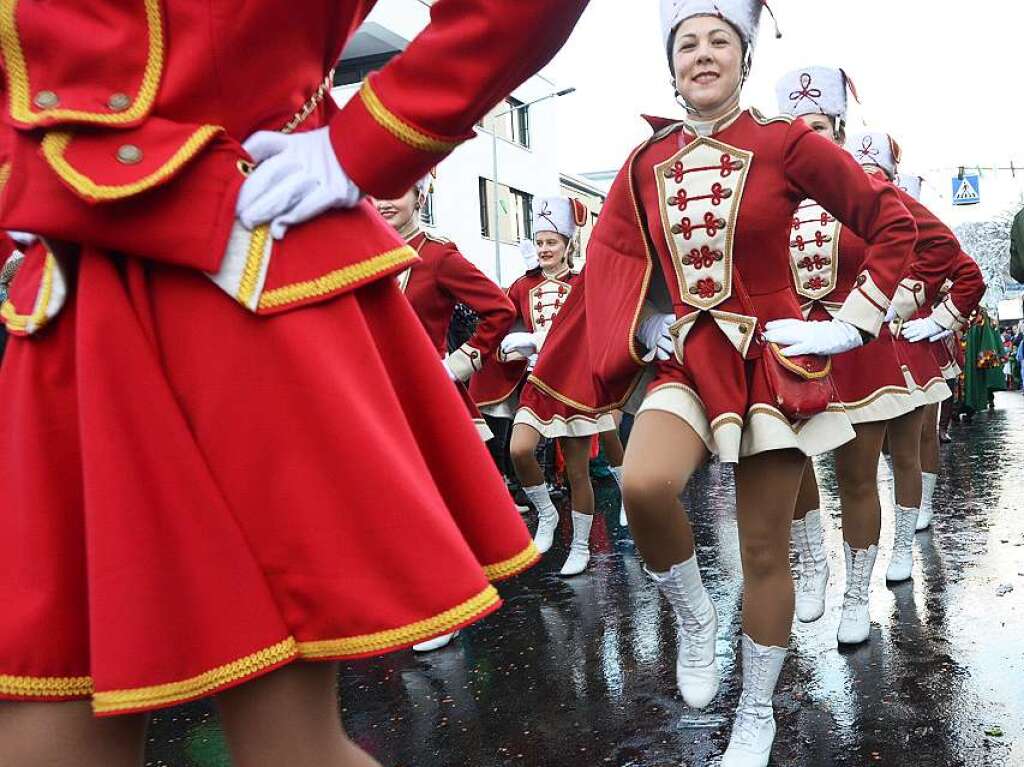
x: 580, y: 671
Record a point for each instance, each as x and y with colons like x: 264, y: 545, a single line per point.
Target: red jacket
x: 538, y: 300
x: 685, y: 216
x: 960, y: 295
x: 443, y: 278
x: 129, y: 115
x: 826, y: 257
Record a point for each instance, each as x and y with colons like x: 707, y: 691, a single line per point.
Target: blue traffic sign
x: 966, y: 190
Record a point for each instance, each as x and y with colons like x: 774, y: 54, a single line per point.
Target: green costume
x: 985, y: 348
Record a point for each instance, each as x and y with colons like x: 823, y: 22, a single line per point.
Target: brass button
x: 245, y: 167
x: 743, y: 329
x: 119, y: 102
x: 129, y: 154
x: 46, y: 100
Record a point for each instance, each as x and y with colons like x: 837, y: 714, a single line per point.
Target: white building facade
x: 462, y: 204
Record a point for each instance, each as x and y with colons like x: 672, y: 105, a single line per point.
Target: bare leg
x: 524, y: 455
x: 68, y: 735
x: 289, y: 717
x: 766, y: 489
x: 905, y: 449
x: 612, y: 444
x: 930, y: 439
x: 807, y: 499
x: 663, y: 453
x: 576, y: 451
x: 857, y: 473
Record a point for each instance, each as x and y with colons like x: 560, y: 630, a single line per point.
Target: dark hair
x: 672, y: 38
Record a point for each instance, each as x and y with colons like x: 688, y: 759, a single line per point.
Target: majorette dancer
x: 958, y: 298
x: 879, y: 154
x: 687, y: 282
x: 501, y: 389
x: 227, y: 443
x: 442, y: 278
x: 825, y: 259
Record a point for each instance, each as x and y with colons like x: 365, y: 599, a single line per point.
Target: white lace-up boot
x: 901, y: 564
x: 435, y: 644
x: 617, y: 473
x: 924, y: 518
x: 547, y: 522
x: 579, y: 551
x: 753, y: 732
x: 696, y: 669
x: 855, y: 623
x: 812, y: 575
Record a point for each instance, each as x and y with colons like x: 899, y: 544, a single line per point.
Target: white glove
x: 946, y: 333
x: 813, y: 337
x: 653, y: 333
x: 531, y: 362
x: 523, y: 343
x: 528, y: 250
x: 919, y: 330
x: 448, y: 370
x: 24, y: 239
x: 297, y: 178
x: 890, y: 314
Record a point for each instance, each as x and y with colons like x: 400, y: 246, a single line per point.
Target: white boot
x: 547, y: 523
x: 855, y: 623
x: 579, y: 552
x: 696, y: 669
x: 617, y: 473
x: 924, y: 518
x: 753, y: 732
x: 901, y: 563
x: 812, y: 578
x: 435, y: 644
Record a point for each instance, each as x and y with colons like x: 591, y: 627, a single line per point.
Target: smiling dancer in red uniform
x: 687, y: 277
x: 442, y: 278
x: 539, y: 297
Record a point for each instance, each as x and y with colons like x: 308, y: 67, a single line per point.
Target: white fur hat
x: 745, y: 15
x: 814, y: 90
x: 875, y: 149
x: 563, y: 215
x: 910, y: 183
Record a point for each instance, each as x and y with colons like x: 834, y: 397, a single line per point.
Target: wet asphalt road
x: 580, y: 671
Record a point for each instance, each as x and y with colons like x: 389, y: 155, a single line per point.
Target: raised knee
x: 642, y: 488
x: 522, y: 453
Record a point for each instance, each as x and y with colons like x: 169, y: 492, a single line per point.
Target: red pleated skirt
x: 870, y: 379
x: 194, y: 495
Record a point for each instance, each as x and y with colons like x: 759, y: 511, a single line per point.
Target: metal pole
x: 496, y: 233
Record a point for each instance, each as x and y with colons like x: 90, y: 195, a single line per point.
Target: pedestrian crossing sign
x: 966, y: 190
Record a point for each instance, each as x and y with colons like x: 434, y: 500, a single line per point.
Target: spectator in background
x: 1017, y: 247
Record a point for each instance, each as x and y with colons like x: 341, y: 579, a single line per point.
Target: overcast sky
x: 943, y: 76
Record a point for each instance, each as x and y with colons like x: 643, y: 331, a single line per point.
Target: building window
x: 427, y: 211
x: 354, y: 71
x: 509, y: 120
x: 513, y: 212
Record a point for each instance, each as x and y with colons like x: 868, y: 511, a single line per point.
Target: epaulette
x: 437, y: 238
x: 762, y: 120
